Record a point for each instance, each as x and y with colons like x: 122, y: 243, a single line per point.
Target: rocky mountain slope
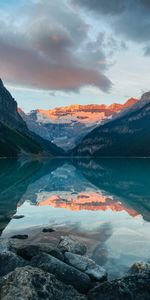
x: 15, y: 137
x: 66, y: 126
x: 125, y: 135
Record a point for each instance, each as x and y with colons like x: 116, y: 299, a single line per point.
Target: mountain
x: 15, y: 137
x: 66, y: 126
x: 127, y: 134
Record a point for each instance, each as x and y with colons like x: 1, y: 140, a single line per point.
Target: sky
x: 63, y: 52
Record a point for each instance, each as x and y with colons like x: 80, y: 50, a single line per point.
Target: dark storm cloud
x: 47, y: 47
x: 130, y: 19
x: 104, y: 6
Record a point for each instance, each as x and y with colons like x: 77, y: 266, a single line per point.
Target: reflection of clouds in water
x: 100, y: 252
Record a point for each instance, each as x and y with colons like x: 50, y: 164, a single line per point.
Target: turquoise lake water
x: 104, y: 202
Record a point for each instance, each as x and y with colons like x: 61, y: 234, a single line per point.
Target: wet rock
x: 48, y: 230
x: 29, y: 251
x: 18, y: 217
x: 70, y: 245
x: 9, y: 261
x: 4, y: 245
x: 56, y: 253
x: 135, y: 287
x: 86, y: 265
x: 32, y: 283
x: 62, y: 271
x: 20, y: 236
x: 139, y: 267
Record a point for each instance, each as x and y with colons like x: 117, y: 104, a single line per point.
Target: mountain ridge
x: 127, y: 134
x: 15, y: 137
x: 67, y: 126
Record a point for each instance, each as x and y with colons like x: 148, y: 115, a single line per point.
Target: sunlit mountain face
x: 66, y: 126
x: 86, y: 114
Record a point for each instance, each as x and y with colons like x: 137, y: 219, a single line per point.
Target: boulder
x: 62, y: 271
x: 9, y: 261
x: 70, y: 245
x: 32, y: 283
x: 29, y: 251
x: 131, y: 287
x: 86, y: 265
x: 139, y: 267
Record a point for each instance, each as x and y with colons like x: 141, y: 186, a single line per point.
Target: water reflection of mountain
x: 126, y: 179
x: 67, y: 188
x: 116, y: 184
x: 14, y: 180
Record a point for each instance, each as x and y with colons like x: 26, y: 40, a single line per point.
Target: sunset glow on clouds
x: 68, y: 53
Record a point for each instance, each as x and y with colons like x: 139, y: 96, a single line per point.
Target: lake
x: 103, y: 202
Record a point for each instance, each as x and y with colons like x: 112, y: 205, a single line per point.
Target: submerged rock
x: 19, y: 236
x: 70, y: 245
x: 62, y: 271
x: 18, y: 217
x: 86, y: 265
x: 48, y: 230
x: 32, y: 283
x: 135, y: 287
x: 9, y: 261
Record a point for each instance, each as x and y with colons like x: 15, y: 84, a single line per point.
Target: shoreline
x: 66, y: 262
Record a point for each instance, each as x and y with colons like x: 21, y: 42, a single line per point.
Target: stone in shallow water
x: 62, y: 271
x: 87, y: 265
x: 68, y: 244
x: 18, y: 217
x: 34, y: 284
x: 20, y: 236
x: 131, y: 287
x: 48, y: 230
x: 9, y: 261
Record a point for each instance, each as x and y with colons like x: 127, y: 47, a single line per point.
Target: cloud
x: 48, y: 47
x: 130, y: 19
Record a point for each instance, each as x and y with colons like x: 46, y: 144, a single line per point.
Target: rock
x: 48, y: 230
x: 56, y: 253
x: 70, y: 245
x: 86, y: 265
x: 62, y: 271
x: 34, y: 284
x: 139, y: 267
x: 20, y: 236
x: 9, y: 261
x: 18, y: 217
x: 4, y: 245
x: 135, y: 287
x: 29, y: 251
